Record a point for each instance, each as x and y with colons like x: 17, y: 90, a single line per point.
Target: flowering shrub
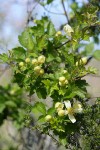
x: 47, y: 64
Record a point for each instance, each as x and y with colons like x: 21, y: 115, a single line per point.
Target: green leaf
x: 19, y: 52
x: 88, y: 49
x: 11, y: 104
x: 41, y: 119
x: 4, y: 58
x: 2, y: 107
x: 97, y: 54
x: 63, y: 141
x: 50, y: 29
x: 80, y: 93
x: 40, y: 107
x: 51, y: 57
x: 51, y: 111
x: 41, y: 92
x: 42, y: 42
x: 26, y: 40
x: 49, y: 1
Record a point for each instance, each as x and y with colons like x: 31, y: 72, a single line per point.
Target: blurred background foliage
x: 15, y: 15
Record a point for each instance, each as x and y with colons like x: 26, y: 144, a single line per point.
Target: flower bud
x: 68, y: 29
x: 37, y: 69
x: 12, y: 92
x: 64, y: 71
x: 48, y: 118
x: 21, y: 64
x: 59, y: 105
x: 34, y: 20
x: 77, y: 107
x: 66, y: 81
x: 82, y: 61
x: 27, y: 60
x: 41, y: 72
x: 34, y: 61
x: 62, y: 79
x: 41, y: 59
x: 61, y: 113
x: 58, y: 33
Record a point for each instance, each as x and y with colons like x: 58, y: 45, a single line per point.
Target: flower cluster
x: 82, y: 61
x: 63, y: 81
x: 69, y: 110
x: 37, y: 64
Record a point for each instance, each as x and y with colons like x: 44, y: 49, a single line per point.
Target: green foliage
x: 12, y: 105
x: 97, y: 54
x: 48, y: 64
x: 25, y: 39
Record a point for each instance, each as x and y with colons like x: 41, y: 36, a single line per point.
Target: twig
x: 62, y: 44
x: 55, y: 13
x: 65, y: 12
x: 30, y: 12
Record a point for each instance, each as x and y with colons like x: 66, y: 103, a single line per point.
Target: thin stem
x: 65, y: 12
x: 55, y: 13
x: 29, y: 12
x: 62, y: 44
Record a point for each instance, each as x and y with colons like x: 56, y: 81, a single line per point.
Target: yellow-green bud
x: 37, y: 69
x: 27, y: 60
x: 61, y: 113
x: 66, y: 81
x: 12, y: 92
x: 62, y: 79
x: 34, y: 20
x: 41, y: 72
x: 68, y: 29
x: 64, y: 71
x: 82, y: 61
x: 58, y: 105
x: 21, y: 64
x: 58, y: 33
x: 48, y: 118
x: 34, y: 61
x: 41, y: 59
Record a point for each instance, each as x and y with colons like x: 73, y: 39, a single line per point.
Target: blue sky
x: 13, y: 16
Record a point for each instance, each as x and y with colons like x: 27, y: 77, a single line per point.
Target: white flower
x: 77, y: 108
x: 68, y: 29
x: 70, y: 111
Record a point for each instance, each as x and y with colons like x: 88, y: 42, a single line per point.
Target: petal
x: 72, y: 118
x: 67, y: 104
